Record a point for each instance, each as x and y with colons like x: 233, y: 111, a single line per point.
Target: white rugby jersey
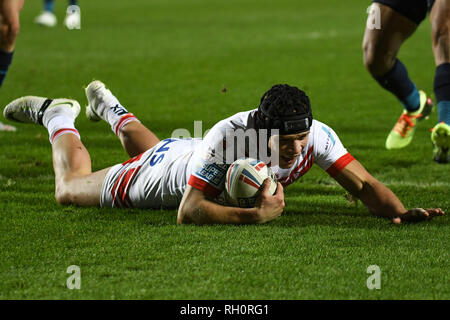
x: 323, y: 148
x: 158, y: 177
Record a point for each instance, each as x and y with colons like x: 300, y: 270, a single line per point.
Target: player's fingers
x: 280, y: 190
x: 265, y: 186
x: 415, y: 215
x: 434, y: 212
x: 418, y: 212
x: 397, y: 220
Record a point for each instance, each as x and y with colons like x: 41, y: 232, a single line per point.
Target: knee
x: 368, y: 57
x: 441, y: 39
x: 63, y: 198
x: 14, y: 31
x: 63, y: 195
x: 378, y: 62
x: 10, y: 32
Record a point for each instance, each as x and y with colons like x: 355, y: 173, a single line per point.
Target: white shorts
x: 154, y: 179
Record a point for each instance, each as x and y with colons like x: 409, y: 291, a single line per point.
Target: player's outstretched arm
x: 196, y: 208
x: 379, y: 199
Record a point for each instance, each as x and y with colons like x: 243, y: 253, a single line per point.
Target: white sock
x: 59, y: 125
x: 116, y: 115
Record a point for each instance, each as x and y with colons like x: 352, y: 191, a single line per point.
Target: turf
x: 168, y: 62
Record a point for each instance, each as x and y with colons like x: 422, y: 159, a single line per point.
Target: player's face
x: 289, y: 147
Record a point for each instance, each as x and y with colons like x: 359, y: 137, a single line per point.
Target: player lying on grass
x: 398, y: 21
x: 186, y: 173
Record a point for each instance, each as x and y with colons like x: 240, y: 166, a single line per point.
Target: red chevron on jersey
x: 300, y: 170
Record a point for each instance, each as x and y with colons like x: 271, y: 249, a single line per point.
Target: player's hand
x: 418, y: 215
x: 269, y: 206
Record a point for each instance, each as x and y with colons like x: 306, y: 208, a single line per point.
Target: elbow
x: 182, y: 215
x: 190, y: 210
x: 63, y: 195
x: 186, y: 214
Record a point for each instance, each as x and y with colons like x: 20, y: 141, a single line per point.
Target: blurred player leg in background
x: 48, y: 19
x: 74, y: 180
x: 134, y: 136
x: 440, y: 22
x: 9, y: 15
x: 73, y: 16
x: 380, y: 48
x: 9, y: 19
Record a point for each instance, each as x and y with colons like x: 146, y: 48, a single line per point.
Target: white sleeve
x: 329, y: 152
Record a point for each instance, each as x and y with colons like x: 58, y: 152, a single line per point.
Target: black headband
x: 293, y: 124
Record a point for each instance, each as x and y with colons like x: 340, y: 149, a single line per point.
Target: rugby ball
x: 244, y: 179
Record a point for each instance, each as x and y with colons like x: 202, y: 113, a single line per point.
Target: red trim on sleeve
x: 340, y: 164
x: 204, y: 186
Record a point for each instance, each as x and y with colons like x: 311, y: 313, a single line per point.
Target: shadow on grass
x: 399, y: 163
x: 331, y: 216
x: 297, y: 214
x: 322, y: 215
x: 155, y: 218
x: 340, y: 216
x: 320, y: 207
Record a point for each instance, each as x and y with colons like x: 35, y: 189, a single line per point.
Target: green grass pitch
x: 168, y: 61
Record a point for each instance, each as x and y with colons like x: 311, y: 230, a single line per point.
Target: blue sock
x: 412, y: 102
x: 5, y: 61
x: 444, y: 112
x: 397, y: 82
x: 442, y: 92
x: 73, y: 2
x: 49, y: 5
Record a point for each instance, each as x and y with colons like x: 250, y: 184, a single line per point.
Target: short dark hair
x: 285, y: 108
